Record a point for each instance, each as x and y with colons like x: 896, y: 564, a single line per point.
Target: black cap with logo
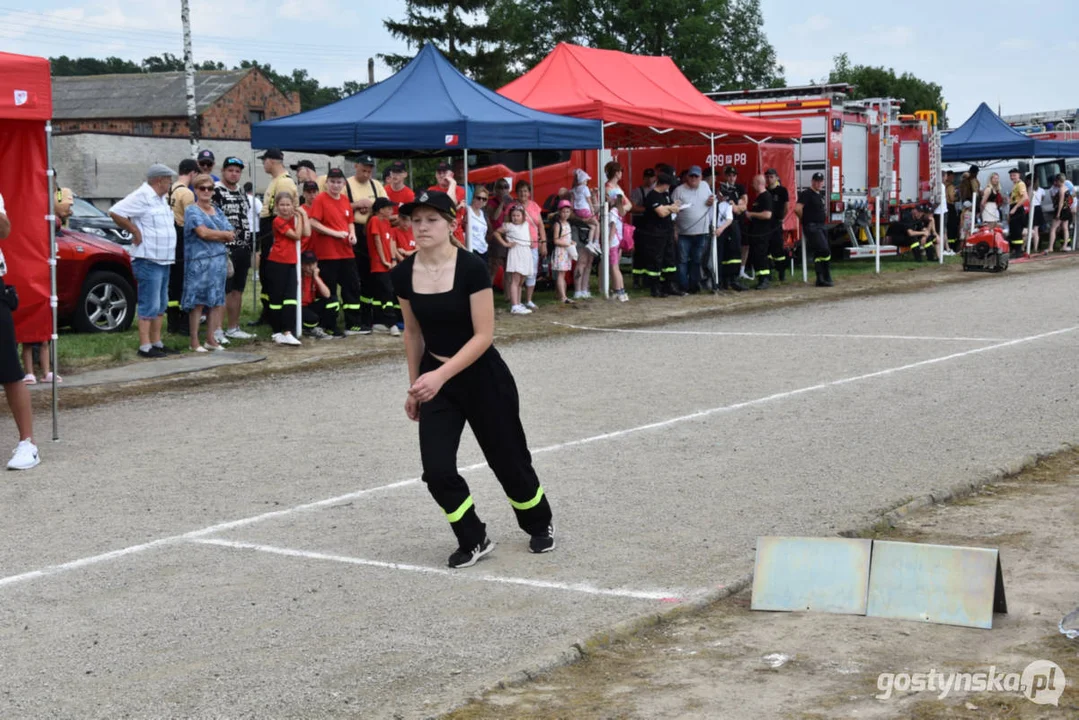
x: 205, y: 156
x: 335, y: 173
x: 818, y: 176
x: 436, y: 199
x: 272, y: 154
x: 303, y: 163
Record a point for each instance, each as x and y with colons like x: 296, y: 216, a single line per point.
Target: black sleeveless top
x: 445, y: 318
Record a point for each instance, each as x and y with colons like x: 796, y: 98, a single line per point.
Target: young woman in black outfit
x: 457, y: 376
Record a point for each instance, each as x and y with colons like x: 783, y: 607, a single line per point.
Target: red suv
x: 94, y: 283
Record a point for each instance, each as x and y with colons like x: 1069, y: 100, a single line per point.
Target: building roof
x: 138, y: 95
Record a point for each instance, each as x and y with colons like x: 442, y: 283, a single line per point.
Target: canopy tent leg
x: 715, y: 216
x: 53, y: 301
x: 468, y: 238
x: 801, y: 230
x: 299, y: 292
x: 604, y: 225
x: 1030, y: 212
x: 876, y: 214
x: 254, y: 240
x: 531, y: 176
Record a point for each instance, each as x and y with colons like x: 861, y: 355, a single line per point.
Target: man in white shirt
x: 695, y: 201
x: 146, y: 214
x: 11, y: 373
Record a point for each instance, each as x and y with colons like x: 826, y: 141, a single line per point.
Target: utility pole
x: 189, y: 76
x: 370, y: 72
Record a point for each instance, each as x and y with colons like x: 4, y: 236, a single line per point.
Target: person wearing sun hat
x: 457, y: 376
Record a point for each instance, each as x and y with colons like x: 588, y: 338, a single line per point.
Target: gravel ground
x: 788, y: 433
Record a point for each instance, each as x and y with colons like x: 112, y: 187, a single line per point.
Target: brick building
x: 155, y: 105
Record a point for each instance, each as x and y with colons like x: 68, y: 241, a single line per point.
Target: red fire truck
x: 842, y: 139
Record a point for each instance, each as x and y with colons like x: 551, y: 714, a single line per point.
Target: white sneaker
x: 622, y: 297
x: 238, y: 334
x: 586, y: 295
x: 520, y: 310
x: 24, y: 457
x: 531, y: 305
x: 379, y: 329
x: 276, y: 337
x: 219, y: 337
x: 594, y: 248
x: 394, y: 332
x: 286, y: 338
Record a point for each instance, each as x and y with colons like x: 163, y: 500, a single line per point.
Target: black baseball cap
x: 272, y: 154
x: 205, y: 156
x: 365, y: 159
x: 187, y: 165
x: 771, y: 171
x: 649, y: 172
x: 730, y: 170
x: 308, y: 257
x: 436, y: 199
x: 303, y: 163
x: 231, y: 161
x: 818, y: 176
x: 665, y: 179
x: 1014, y: 170
x: 310, y: 186
x: 335, y: 173
x: 380, y: 203
x: 398, y: 166
x: 443, y: 166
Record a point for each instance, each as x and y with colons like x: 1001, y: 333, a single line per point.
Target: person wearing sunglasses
x: 477, y: 223
x: 206, y: 231
x: 206, y: 162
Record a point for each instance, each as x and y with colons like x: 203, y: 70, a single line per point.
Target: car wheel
x: 106, y: 304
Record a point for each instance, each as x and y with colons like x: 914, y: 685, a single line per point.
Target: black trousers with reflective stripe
x: 817, y: 243
x: 776, y: 250
x: 280, y: 282
x: 383, y: 301
x: 319, y: 314
x: 485, y: 396
x: 758, y: 254
x: 730, y: 252
x: 342, y: 274
x: 1017, y: 225
x: 366, y: 301
x: 648, y: 248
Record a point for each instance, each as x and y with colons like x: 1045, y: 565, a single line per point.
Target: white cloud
x: 892, y: 36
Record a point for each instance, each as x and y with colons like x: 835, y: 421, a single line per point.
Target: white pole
x: 468, y: 213
x: 1030, y: 212
x: 299, y: 293
x: 605, y: 235
x: 53, y: 300
x: 801, y: 230
x: 940, y: 238
x: 876, y: 213
x: 254, y: 239
x: 715, y: 218
x: 189, y: 81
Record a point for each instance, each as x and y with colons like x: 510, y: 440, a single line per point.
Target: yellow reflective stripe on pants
x: 276, y: 307
x: 650, y: 273
x: 348, y: 306
x: 735, y: 261
x: 174, y: 303
x: 366, y: 300
x: 289, y: 302
x: 528, y: 504
x: 460, y: 512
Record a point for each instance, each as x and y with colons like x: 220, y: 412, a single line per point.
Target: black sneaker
x: 168, y: 350
x: 462, y: 558
x: 152, y: 353
x: 543, y: 542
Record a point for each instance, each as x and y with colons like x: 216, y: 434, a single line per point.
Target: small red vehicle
x: 94, y: 283
x: 986, y: 251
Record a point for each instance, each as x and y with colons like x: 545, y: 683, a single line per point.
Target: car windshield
x: 83, y: 209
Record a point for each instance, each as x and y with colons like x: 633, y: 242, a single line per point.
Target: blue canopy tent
x: 984, y: 136
x: 427, y: 106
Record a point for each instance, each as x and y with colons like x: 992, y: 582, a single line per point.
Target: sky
x: 333, y: 39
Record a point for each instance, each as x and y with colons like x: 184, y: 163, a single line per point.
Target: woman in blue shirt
x: 205, y: 263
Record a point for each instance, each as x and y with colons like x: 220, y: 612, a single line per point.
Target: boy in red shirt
x: 396, y: 190
x: 332, y: 239
x: 404, y: 242
x: 314, y: 297
x: 447, y: 184
x: 380, y: 245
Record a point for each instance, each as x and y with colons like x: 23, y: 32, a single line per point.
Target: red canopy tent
x: 643, y: 101
x: 26, y: 184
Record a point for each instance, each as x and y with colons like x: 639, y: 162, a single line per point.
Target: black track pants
x: 485, y: 396
x: 342, y: 274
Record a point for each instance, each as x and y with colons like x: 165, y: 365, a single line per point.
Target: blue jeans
x: 689, y: 262
x: 153, y: 287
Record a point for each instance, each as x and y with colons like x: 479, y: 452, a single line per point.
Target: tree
x: 457, y: 28
x: 713, y: 51
x: 64, y: 66
x: 873, y: 82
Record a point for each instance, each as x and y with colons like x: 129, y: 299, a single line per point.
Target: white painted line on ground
x: 735, y: 333
x: 197, y: 534
x: 465, y: 574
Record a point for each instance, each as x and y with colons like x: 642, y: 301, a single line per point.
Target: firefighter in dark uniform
x: 669, y: 262
x: 730, y: 238
x: 760, y: 232
x: 811, y: 210
x: 912, y: 230
x: 780, y: 199
x: 653, y: 233
x: 731, y: 188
